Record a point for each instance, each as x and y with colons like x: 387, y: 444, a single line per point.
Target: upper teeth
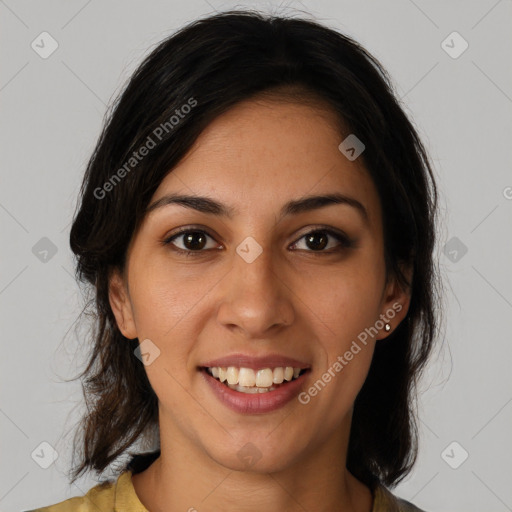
x: 248, y: 377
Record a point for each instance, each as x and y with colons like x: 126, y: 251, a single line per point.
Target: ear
x: 396, y: 301
x: 121, y: 305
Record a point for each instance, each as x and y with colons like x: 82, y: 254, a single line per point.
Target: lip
x: 256, y: 363
x: 257, y: 403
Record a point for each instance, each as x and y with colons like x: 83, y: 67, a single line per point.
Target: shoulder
x: 109, y: 496
x: 385, y: 501
x: 101, y: 497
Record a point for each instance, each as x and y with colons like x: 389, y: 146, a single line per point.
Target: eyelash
x: 345, y: 242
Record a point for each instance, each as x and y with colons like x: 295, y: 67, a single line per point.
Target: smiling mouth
x: 247, y: 380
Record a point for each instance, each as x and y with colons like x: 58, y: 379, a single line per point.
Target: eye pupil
x: 189, y: 240
x: 310, y: 240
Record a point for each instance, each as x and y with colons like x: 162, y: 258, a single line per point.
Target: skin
x: 293, y: 300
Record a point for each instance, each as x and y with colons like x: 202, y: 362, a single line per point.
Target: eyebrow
x: 304, y: 204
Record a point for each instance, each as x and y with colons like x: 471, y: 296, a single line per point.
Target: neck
x: 187, y: 478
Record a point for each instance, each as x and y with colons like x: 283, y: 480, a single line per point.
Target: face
x: 270, y: 281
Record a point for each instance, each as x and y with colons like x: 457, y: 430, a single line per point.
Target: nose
x: 255, y: 299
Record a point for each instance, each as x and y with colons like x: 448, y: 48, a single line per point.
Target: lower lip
x: 256, y: 403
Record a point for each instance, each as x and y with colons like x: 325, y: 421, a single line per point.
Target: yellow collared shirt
x: 120, y: 496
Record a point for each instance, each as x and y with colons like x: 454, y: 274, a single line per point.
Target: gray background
x: 52, y: 110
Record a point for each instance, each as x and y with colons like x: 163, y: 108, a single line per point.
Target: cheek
x: 164, y: 305
x: 347, y: 303
x: 341, y: 372
x: 347, y: 300
x: 164, y: 298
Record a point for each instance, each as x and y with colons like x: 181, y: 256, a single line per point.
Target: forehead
x: 263, y: 153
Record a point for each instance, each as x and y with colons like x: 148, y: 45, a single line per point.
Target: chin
x: 254, y: 453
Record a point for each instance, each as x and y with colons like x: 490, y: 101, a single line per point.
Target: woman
x: 257, y: 223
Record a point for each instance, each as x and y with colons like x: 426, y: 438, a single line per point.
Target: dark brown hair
x: 209, y: 66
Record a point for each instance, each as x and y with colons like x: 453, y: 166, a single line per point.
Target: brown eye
x: 192, y: 240
x: 318, y: 240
